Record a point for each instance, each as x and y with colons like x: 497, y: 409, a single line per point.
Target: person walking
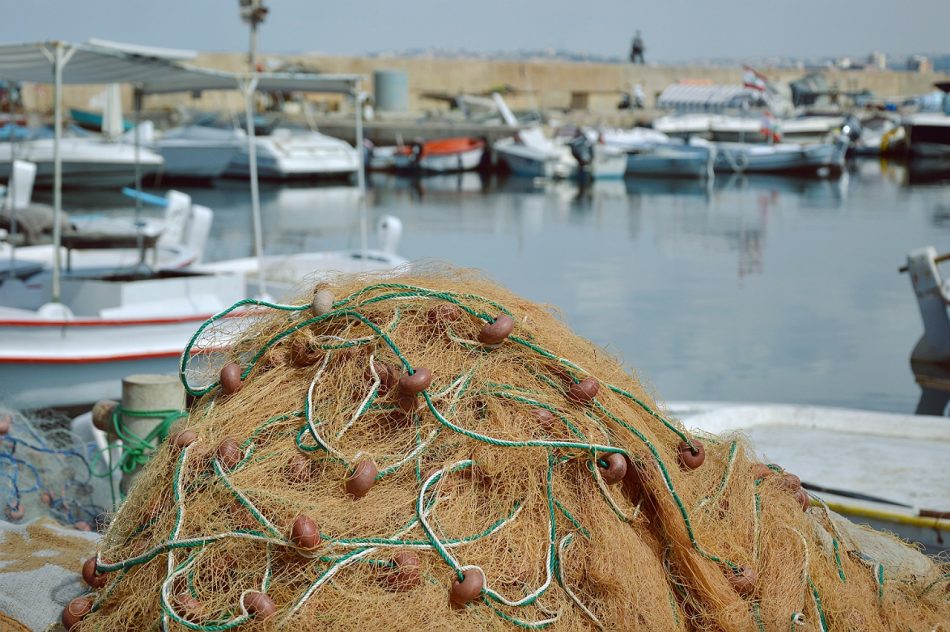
x: 637, y: 49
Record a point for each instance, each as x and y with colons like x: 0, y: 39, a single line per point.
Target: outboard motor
x: 852, y: 128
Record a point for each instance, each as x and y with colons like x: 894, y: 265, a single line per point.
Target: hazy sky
x: 673, y: 29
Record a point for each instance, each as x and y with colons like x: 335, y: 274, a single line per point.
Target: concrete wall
x: 545, y: 84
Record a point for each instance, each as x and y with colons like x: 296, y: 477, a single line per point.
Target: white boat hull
x: 824, y: 159
x: 86, y: 163
x: 441, y: 163
x: 287, y: 155
x: 678, y: 161
x: 194, y: 160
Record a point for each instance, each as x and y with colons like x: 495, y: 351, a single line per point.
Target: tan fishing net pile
x: 435, y: 453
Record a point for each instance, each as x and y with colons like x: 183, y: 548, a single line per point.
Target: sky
x: 674, y: 30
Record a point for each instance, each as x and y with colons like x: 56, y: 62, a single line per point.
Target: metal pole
x: 248, y: 89
x: 252, y: 48
x: 139, y: 237
x: 57, y: 167
x: 360, y: 176
x: 11, y: 191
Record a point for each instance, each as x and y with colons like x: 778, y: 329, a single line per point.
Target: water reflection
x: 745, y: 288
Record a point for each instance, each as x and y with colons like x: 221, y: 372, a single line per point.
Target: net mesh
x: 434, y: 452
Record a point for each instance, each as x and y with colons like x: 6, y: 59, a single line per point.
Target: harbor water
x: 753, y: 289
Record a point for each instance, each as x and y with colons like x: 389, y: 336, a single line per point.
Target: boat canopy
x: 707, y: 98
x: 156, y: 71
x: 150, y: 70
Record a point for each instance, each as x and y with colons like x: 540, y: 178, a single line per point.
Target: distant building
x: 919, y: 63
x: 877, y: 61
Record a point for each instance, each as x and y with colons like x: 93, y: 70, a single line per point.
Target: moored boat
x: 444, y: 155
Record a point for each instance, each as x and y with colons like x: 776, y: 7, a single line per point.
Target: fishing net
x: 48, y: 472
x: 432, y: 452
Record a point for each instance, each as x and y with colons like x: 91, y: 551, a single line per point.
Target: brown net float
x: 530, y: 485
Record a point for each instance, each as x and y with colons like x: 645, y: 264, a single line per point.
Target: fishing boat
x: 693, y: 159
x: 288, y: 154
x: 444, y: 155
x: 928, y: 134
x: 825, y: 159
x: 875, y: 468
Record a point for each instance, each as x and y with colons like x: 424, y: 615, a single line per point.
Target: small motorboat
x: 87, y: 161
x: 289, y: 154
x: 444, y: 155
x: 674, y: 159
x: 875, y: 468
x: 824, y: 159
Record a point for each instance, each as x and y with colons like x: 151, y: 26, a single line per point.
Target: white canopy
x: 150, y: 70
x: 154, y: 71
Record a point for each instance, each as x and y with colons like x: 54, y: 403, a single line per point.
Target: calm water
x: 755, y: 289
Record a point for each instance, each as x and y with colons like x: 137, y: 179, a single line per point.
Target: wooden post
x: 147, y: 392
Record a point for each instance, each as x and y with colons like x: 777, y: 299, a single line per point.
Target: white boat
x: 75, y: 351
x: 684, y: 125
x: 197, y: 152
x: 884, y: 470
x: 284, y: 275
x: 287, y: 154
x: 529, y: 153
x: 88, y: 162
x: 825, y: 159
x: 674, y: 159
x: 634, y: 139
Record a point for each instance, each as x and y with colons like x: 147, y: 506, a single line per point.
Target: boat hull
x: 824, y: 160
x: 195, y: 161
x: 440, y: 163
x: 50, y: 364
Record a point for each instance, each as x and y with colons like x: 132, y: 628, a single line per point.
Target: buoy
x: 545, y: 418
x: 410, y: 386
x: 302, y: 355
x: 189, y: 607
x: 228, y: 453
x: 47, y: 498
x: 322, y: 302
x: 468, y: 589
x: 791, y: 482
x: 760, y: 471
x: 183, y: 439
x: 742, y: 580
x: 405, y: 574
x: 82, y: 525
x: 231, y: 378
x: 75, y: 611
x: 495, y: 332
x: 692, y: 458
x: 102, y: 412
x: 298, y: 470
x: 444, y: 313
x: 802, y: 497
x: 91, y: 577
x: 583, y: 392
x: 616, y: 468
x: 304, y: 533
x: 414, y: 384
x: 388, y: 375
x: 5, y: 422
x: 259, y: 605
x: 362, y: 479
